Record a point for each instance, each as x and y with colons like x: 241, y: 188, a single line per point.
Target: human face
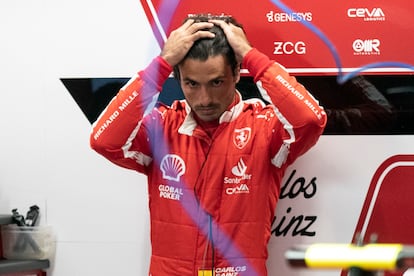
x: 208, y: 86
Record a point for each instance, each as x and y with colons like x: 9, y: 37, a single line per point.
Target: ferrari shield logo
x: 241, y: 137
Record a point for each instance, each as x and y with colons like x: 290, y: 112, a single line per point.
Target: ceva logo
x: 375, y: 14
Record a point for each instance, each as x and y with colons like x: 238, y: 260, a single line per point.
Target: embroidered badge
x: 241, y: 137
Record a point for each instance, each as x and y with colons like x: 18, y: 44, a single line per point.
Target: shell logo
x: 172, y: 167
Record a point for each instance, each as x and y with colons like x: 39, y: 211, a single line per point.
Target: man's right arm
x: 116, y: 132
x: 119, y: 125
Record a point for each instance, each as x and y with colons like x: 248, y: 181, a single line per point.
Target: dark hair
x: 204, y: 48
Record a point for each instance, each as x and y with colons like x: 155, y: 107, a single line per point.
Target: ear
x: 237, y: 73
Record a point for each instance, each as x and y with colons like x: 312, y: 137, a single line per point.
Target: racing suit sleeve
x: 302, y: 118
x: 117, y: 130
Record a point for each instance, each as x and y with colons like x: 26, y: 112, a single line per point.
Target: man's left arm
x: 303, y: 118
x: 300, y: 111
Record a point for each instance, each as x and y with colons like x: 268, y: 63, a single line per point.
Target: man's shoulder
x: 256, y: 104
x: 177, y: 108
x: 175, y: 105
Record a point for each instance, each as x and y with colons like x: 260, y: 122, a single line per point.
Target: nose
x: 204, y: 95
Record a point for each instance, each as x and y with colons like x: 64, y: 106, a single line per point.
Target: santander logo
x: 240, y: 168
x: 238, y: 183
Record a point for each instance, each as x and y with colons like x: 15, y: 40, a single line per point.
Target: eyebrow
x: 188, y: 79
x: 210, y: 80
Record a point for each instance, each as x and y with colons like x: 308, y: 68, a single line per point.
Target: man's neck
x: 208, y: 126
x: 211, y: 126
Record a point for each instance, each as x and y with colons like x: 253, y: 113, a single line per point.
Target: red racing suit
x: 211, y: 199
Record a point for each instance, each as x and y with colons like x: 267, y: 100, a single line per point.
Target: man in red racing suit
x: 214, y: 161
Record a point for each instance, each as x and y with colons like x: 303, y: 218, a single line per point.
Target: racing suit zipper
x: 206, y: 143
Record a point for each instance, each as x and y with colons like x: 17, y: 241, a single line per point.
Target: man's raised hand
x: 181, y: 39
x: 236, y: 38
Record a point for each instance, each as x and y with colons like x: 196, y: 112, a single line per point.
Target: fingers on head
x: 203, y: 34
x: 197, y: 26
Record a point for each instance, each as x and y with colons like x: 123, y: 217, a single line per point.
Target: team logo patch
x: 241, y: 137
x: 172, y: 167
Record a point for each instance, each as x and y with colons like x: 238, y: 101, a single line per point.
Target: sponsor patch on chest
x: 170, y: 192
x: 237, y: 183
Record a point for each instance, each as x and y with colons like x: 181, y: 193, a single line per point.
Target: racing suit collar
x: 189, y: 124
